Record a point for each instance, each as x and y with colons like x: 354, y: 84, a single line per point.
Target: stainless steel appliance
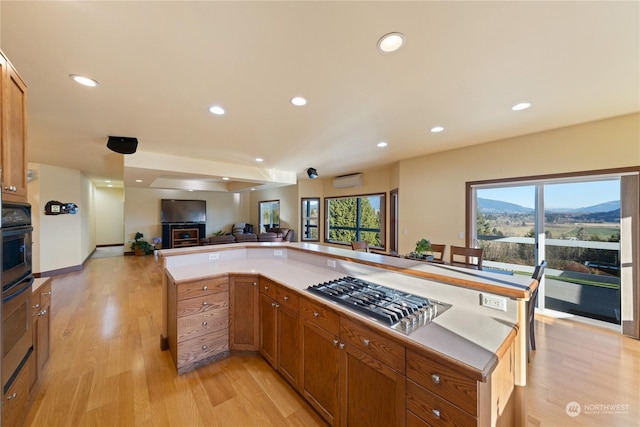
x: 17, y: 280
x: 399, y: 310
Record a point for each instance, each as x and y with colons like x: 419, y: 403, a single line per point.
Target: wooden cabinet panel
x: 268, y: 329
x: 287, y: 298
x: 16, y: 400
x: 13, y: 135
x: 319, y: 315
x: 40, y: 327
x: 434, y: 409
x: 288, y: 359
x: 185, y: 237
x: 269, y: 288
x: 212, y: 320
x: 414, y: 421
x: 319, y: 377
x: 244, y: 313
x: 200, y: 348
x: 373, y: 343
x: 372, y: 394
x: 203, y: 287
x: 201, y: 304
x: 443, y: 381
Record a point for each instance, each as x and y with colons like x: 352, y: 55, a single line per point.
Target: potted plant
x: 423, y: 247
x: 139, y: 246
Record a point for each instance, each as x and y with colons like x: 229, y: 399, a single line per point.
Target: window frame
x: 271, y: 216
x: 306, y: 219
x: 383, y: 222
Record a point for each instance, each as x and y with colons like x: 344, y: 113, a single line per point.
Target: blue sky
x: 569, y: 195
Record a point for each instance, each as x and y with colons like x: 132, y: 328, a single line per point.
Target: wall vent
x: 347, y: 181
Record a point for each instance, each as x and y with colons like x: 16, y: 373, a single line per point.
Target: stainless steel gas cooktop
x: 399, y: 310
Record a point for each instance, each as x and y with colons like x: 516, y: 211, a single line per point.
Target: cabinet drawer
x: 202, y: 287
x: 376, y: 345
x: 218, y: 301
x: 443, y: 381
x: 269, y: 288
x: 287, y: 298
x: 321, y: 316
x: 202, y: 323
x: 435, y: 410
x: 203, y: 347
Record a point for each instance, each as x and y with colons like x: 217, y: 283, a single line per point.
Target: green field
x: 601, y: 231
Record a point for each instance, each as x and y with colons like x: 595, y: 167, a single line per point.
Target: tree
x: 343, y: 220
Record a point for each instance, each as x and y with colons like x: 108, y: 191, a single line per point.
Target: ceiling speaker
x: 122, y: 144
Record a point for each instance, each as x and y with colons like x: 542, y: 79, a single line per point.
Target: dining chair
x: 360, y: 245
x: 438, y: 252
x: 531, y: 305
x: 472, y: 257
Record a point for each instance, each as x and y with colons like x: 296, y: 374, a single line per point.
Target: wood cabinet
x: 279, y: 329
x: 184, y: 237
x: 198, y: 315
x: 13, y: 133
x: 15, y: 404
x: 320, y: 364
x: 244, y: 311
x: 372, y: 381
x: 41, y: 318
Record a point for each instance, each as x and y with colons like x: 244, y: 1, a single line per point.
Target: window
x: 310, y: 219
x: 269, y: 214
x: 356, y: 218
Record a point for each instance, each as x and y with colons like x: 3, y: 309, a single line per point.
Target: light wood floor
x: 106, y: 368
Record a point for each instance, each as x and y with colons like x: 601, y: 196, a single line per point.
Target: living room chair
x: 472, y: 257
x: 360, y: 245
x: 531, y: 305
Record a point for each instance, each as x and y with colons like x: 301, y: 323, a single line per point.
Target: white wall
x: 60, y: 241
x: 142, y: 210
x: 109, y: 213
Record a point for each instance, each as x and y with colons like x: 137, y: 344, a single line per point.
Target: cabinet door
x: 244, y: 314
x: 288, y: 359
x: 16, y: 399
x: 14, y: 136
x: 268, y: 327
x: 372, y: 394
x: 319, y: 378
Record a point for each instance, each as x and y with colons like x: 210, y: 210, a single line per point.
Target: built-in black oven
x: 17, y: 281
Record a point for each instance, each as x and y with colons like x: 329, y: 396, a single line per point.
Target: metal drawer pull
x: 204, y: 288
x: 205, y: 323
x: 48, y: 293
x: 286, y: 298
x: 204, y: 347
x: 13, y: 396
x: 435, y: 378
x: 205, y: 303
x: 365, y: 342
x: 436, y: 413
x: 266, y: 288
x: 36, y: 306
x: 42, y: 313
x: 341, y: 346
x: 273, y: 304
x: 335, y: 342
x: 277, y: 305
x: 255, y: 284
x: 316, y: 314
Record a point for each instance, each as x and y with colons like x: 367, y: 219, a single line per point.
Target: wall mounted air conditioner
x: 346, y: 181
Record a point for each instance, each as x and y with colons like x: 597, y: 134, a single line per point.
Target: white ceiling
x: 161, y: 65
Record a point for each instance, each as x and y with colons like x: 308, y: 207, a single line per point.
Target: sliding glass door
x: 572, y: 223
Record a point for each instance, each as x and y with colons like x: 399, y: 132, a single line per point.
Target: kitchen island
x: 464, y: 367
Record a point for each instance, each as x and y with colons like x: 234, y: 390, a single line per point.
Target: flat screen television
x: 173, y: 210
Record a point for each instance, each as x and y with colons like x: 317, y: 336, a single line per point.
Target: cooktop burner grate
x: 401, y: 311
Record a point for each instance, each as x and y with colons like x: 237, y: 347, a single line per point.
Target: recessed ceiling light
x: 85, y: 81
x: 382, y: 144
x: 253, y: 189
x: 259, y: 159
x: 217, y: 110
x: 391, y: 42
x: 110, y: 185
x: 298, y: 101
x: 225, y: 178
x: 521, y: 106
x: 107, y: 180
x: 138, y: 180
x: 437, y: 129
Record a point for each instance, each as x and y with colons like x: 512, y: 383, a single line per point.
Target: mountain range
x: 497, y: 206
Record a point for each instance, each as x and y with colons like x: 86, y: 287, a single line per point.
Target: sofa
x: 274, y: 234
